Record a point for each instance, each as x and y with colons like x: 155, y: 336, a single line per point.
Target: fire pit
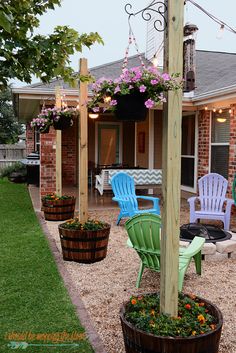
x: 211, y: 233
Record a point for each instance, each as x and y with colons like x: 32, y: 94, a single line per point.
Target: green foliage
x: 34, y: 299
x: 193, y: 316
x: 55, y: 197
x: 10, y: 129
x: 16, y: 167
x: 22, y: 53
x: 90, y: 224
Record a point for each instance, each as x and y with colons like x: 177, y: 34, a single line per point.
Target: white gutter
x: 221, y: 93
x: 49, y: 91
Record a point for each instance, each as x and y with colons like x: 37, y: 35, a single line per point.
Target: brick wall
x: 69, y: 155
x: 232, y: 149
x: 48, y: 162
x: 203, y: 142
x: 48, y: 159
x: 29, y: 139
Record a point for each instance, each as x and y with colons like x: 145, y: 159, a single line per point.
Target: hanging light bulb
x: 221, y: 32
x: 107, y: 99
x: 154, y: 61
x: 220, y: 111
x: 77, y: 107
x: 221, y: 120
x: 214, y: 110
x: 230, y: 111
x: 93, y: 115
x: 206, y: 108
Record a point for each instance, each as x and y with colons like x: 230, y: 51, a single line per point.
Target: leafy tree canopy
x: 23, y: 54
x: 10, y: 129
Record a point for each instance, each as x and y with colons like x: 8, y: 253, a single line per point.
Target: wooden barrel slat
x: 84, y: 246
x: 138, y: 341
x: 58, y: 210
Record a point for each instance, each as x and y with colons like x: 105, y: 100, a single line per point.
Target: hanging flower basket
x: 143, y: 86
x: 196, y: 329
x: 59, y: 118
x: 44, y: 130
x: 64, y: 122
x: 131, y: 107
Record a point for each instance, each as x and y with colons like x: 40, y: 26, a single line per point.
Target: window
x: 220, y: 134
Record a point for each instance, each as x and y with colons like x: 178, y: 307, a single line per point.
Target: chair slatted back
x: 212, y: 192
x: 123, y: 187
x: 144, y: 234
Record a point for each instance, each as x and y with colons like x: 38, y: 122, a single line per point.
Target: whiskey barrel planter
x: 58, y: 210
x: 85, y: 246
x: 138, y: 341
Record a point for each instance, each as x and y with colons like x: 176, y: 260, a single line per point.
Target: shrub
x: 16, y: 167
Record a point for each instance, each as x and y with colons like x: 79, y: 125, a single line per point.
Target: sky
x: 109, y: 19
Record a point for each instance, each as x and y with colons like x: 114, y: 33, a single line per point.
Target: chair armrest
x: 151, y: 198
x: 229, y: 204
x: 155, y: 201
x: 129, y: 244
x: 192, y: 199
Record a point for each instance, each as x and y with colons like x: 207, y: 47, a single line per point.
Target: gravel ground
x: 105, y: 285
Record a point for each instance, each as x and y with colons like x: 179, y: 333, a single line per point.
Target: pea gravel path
x: 103, y: 286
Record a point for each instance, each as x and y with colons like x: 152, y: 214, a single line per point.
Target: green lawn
x: 33, y: 297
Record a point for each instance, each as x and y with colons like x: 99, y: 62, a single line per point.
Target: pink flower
x: 113, y: 102
x: 95, y: 109
x: 149, y: 103
x: 154, y: 82
x: 142, y: 88
x: 166, y: 77
x: 117, y: 89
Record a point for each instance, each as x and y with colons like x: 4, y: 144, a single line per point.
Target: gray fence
x: 10, y: 154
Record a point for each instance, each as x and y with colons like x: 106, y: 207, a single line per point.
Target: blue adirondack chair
x: 124, y: 190
x: 213, y: 202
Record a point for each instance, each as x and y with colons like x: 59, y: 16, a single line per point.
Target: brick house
x: 208, y: 127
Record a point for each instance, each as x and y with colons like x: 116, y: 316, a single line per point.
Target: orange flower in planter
x: 201, y: 319
x: 133, y: 301
x: 188, y: 306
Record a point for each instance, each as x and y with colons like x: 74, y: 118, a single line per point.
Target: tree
x: 9, y: 126
x: 23, y: 54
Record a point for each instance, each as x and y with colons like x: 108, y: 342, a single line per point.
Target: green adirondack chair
x: 144, y: 236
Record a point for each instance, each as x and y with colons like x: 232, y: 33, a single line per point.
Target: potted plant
x: 133, y: 92
x: 42, y: 123
x: 62, y: 118
x: 197, y: 328
x: 59, y: 118
x: 84, y: 242
x: 58, y: 208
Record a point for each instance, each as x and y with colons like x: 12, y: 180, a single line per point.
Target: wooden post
x: 171, y: 161
x: 83, y: 145
x: 58, y: 147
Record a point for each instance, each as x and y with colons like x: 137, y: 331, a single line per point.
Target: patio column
x: 171, y: 161
x: 58, y: 147
x: 83, y: 145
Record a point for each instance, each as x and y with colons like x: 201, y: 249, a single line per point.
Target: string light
x: 206, y: 108
x: 107, y: 99
x: 220, y: 111
x: 214, y: 18
x: 221, y: 32
x: 230, y: 111
x: 214, y: 110
x: 154, y: 61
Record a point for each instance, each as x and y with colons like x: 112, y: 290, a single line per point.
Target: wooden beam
x: 83, y: 145
x: 171, y: 161
x: 58, y: 147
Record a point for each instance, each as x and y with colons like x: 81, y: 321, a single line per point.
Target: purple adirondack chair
x: 213, y: 202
